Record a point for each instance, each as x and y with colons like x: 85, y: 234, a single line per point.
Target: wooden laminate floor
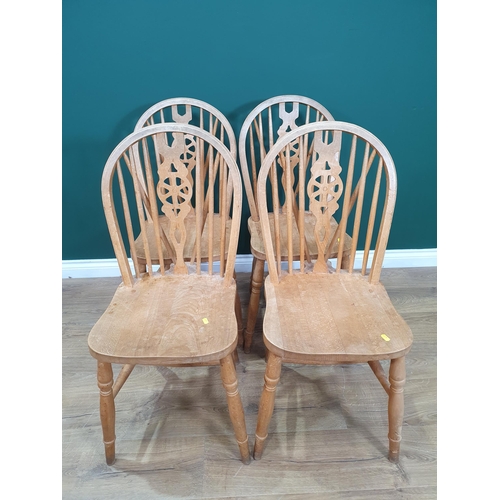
x: 174, y: 439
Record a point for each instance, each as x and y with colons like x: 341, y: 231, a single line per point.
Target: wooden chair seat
x: 189, y: 246
x: 257, y: 243
x: 168, y: 320
x: 332, y: 318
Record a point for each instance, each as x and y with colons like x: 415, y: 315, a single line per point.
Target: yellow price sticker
x: 385, y: 337
x: 205, y: 320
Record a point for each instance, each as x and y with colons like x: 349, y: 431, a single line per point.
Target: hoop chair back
x: 364, y: 193
x: 190, y: 112
x: 185, y: 169
x: 264, y: 125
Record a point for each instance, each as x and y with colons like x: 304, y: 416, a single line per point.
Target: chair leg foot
x: 397, y: 376
x: 107, y: 409
x: 266, y: 405
x: 109, y: 450
x: 236, y: 413
x: 253, y: 304
x: 258, y: 447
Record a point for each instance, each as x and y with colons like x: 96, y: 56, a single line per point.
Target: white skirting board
x: 103, y: 268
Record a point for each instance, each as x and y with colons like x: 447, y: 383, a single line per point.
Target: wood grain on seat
x: 168, y: 320
x: 332, y: 318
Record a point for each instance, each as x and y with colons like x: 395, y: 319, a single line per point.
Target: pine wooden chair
x: 182, y: 315
x: 264, y: 125
x: 319, y: 313
x: 205, y: 116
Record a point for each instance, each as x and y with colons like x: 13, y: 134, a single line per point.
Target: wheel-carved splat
x: 174, y: 189
x: 289, y: 123
x: 324, y: 190
x: 189, y: 159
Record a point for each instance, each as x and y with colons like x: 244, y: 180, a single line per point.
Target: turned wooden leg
x: 253, y: 304
x: 266, y: 406
x: 230, y: 383
x: 254, y: 260
x: 107, y: 404
x: 397, y: 376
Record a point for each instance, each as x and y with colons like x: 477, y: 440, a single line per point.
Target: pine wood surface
x: 175, y: 319
x: 327, y: 437
x: 348, y: 325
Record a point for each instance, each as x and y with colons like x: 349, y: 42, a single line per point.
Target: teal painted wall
x: 369, y: 62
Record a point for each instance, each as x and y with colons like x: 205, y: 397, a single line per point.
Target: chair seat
x: 332, y: 318
x: 189, y: 247
x: 167, y: 320
x: 257, y: 242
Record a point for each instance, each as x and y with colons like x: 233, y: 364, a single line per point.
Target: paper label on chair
x: 385, y: 337
x: 205, y: 320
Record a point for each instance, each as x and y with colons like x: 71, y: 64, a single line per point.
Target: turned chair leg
x: 107, y: 407
x: 230, y: 383
x: 254, y: 260
x: 266, y: 405
x: 253, y: 304
x: 397, y: 375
